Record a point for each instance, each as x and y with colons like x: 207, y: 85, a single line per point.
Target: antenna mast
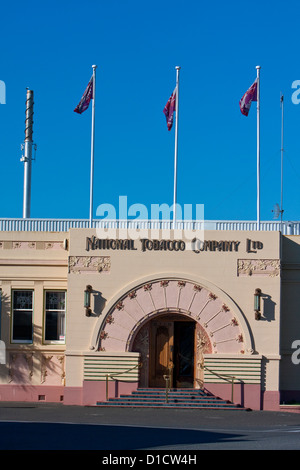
x: 281, y: 201
x: 27, y: 158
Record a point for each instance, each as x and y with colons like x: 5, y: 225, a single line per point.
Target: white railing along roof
x: 64, y: 225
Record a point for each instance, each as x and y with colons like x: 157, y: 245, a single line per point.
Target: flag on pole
x: 88, y: 95
x: 86, y: 98
x: 248, y: 97
x: 169, y: 109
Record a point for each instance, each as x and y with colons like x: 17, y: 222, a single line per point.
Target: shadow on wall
x: 290, y: 250
x: 268, y: 310
x: 99, y: 303
x: 22, y: 364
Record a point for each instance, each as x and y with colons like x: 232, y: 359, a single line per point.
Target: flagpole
x: 281, y: 176
x: 176, y: 146
x: 92, y: 146
x: 258, y: 146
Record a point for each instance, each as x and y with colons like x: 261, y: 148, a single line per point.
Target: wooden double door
x: 172, y: 352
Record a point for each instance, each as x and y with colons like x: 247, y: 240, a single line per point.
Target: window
x: 22, y: 310
x: 55, y: 316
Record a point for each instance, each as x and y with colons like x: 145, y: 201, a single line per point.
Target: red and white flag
x: 86, y: 98
x: 169, y: 110
x: 248, y: 97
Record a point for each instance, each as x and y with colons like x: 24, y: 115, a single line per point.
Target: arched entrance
x: 171, y: 344
x: 150, y: 317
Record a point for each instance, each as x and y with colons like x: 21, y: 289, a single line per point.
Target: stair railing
x: 229, y: 378
x: 112, y: 376
x: 167, y: 378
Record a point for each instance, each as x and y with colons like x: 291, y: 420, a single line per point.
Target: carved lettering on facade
x: 214, y: 245
x: 252, y: 246
x: 94, y: 243
x: 197, y: 245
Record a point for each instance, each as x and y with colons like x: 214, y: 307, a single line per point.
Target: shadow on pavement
x: 57, y: 436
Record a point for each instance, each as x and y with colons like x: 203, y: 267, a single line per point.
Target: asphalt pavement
x: 46, y: 426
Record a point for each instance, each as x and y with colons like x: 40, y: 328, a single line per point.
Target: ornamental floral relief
x: 24, y: 245
x: 197, y: 288
x: 262, y: 267
x: 45, y: 361
x: 54, y: 246
x: 61, y: 360
x: 109, y: 319
x: 132, y: 294
x: 20, y: 369
x: 32, y: 245
x: 141, y: 345
x: 52, y: 369
x: 203, y: 346
x: 89, y: 264
x: 29, y: 361
x: 164, y: 283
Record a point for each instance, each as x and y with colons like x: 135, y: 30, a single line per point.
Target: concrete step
x: 177, y: 398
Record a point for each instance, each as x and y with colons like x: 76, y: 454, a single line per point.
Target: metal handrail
x: 112, y: 376
x: 167, y: 378
x: 225, y: 377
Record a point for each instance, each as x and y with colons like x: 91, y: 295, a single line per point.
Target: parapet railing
x: 64, y: 225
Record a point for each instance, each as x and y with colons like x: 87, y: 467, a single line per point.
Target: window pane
x: 55, y: 300
x: 55, y: 316
x: 22, y: 326
x: 23, y: 300
x: 55, y: 326
x: 22, y: 316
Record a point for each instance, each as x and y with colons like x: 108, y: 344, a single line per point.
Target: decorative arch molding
x: 202, y: 302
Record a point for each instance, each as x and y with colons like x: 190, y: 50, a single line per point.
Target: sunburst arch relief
x: 207, y: 305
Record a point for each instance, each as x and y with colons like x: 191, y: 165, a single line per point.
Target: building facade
x: 88, y: 314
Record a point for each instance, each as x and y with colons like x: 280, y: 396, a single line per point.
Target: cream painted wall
x: 40, y: 261
x: 219, y: 269
x: 37, y: 261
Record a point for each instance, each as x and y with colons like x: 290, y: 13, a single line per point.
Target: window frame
x: 13, y: 310
x: 45, y: 310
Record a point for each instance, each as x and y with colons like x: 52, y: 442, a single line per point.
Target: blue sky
x: 50, y: 47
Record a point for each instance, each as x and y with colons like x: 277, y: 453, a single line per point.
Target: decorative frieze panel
x: 258, y: 267
x: 24, y: 245
x: 89, y: 264
x: 52, y: 369
x: 32, y: 245
x: 22, y: 366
